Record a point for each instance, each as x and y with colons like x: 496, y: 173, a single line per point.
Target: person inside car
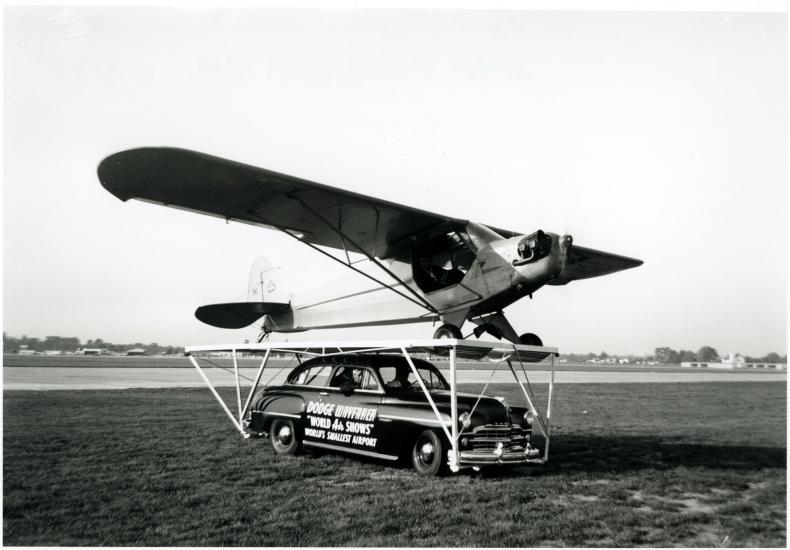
x: 401, y: 380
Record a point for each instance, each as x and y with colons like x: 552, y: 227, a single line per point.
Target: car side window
x: 369, y: 381
x: 396, y: 378
x: 314, y: 376
x: 358, y: 377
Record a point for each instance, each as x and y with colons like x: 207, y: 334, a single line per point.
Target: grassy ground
x: 632, y: 464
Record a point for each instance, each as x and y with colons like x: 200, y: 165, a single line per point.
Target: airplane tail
x: 265, y: 283
x: 265, y: 295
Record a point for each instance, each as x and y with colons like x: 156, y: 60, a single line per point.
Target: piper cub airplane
x: 419, y: 266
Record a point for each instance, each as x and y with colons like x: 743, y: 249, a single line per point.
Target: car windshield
x: 402, y: 377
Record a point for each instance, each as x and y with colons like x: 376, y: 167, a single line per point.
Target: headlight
x: 465, y: 420
x: 529, y: 418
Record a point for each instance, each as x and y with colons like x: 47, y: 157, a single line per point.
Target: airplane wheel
x: 427, y: 454
x: 285, y: 439
x: 447, y: 331
x: 529, y: 339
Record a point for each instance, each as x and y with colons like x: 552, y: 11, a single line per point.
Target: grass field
x: 632, y: 464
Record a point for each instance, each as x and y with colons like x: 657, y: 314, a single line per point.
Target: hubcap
x: 426, y: 452
x: 284, y: 435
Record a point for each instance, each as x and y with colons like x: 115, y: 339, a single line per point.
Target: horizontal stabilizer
x: 237, y: 314
x: 585, y: 263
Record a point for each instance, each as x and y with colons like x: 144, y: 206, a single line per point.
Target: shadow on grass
x: 575, y: 453
x: 613, y: 454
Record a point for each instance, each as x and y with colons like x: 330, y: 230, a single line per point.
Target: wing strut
x: 344, y: 237
x: 422, y: 302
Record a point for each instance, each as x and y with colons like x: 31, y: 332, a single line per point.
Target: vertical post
x: 455, y: 459
x: 532, y: 407
x: 255, y: 383
x: 548, y: 412
x: 219, y: 399
x: 238, y: 384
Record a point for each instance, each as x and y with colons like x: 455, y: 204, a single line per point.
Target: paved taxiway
x: 97, y: 375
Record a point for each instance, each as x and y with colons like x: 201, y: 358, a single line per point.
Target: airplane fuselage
x: 491, y: 283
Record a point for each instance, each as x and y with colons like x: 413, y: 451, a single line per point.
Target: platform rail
x: 453, y: 349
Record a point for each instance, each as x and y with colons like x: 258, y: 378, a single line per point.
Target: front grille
x: 486, y: 438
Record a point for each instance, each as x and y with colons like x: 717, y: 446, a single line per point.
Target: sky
x: 655, y: 135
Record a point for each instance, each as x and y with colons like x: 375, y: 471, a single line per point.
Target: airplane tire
x: 284, y: 437
x: 447, y: 331
x: 529, y: 339
x: 428, y: 454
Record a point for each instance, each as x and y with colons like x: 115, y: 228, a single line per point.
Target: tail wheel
x: 428, y: 454
x: 447, y: 331
x: 285, y: 439
x: 529, y: 339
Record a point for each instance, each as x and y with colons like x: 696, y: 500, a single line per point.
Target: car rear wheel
x: 428, y: 454
x: 284, y: 437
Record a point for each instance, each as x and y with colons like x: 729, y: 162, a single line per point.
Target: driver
x: 356, y: 378
x: 401, y: 380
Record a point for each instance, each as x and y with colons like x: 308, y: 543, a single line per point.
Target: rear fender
x: 280, y: 406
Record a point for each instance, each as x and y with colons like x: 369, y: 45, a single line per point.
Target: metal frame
x: 498, y: 352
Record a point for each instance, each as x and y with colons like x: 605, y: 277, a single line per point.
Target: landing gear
x: 498, y: 326
x: 447, y: 331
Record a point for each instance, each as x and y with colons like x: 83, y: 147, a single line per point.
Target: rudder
x: 265, y: 283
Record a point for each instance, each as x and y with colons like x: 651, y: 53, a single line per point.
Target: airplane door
x: 452, y: 296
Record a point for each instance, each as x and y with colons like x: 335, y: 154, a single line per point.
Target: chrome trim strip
x: 349, y: 450
x: 272, y: 413
x: 412, y: 419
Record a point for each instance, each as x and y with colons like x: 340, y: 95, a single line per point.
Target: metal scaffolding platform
x: 498, y: 353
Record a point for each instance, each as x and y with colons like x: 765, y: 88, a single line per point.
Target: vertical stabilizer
x: 265, y: 284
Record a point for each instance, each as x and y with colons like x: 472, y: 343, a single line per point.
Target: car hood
x: 488, y: 411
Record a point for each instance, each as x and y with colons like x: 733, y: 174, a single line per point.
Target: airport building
x: 734, y: 361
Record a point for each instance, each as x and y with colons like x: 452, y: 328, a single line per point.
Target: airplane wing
x: 316, y: 213
x: 584, y: 263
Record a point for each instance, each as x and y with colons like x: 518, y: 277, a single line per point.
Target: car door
x: 351, y: 409
x: 313, y: 383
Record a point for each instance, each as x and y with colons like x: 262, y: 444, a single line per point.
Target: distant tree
x: 707, y: 354
x: 686, y: 356
x: 666, y: 355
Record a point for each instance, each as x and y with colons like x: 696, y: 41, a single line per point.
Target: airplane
x: 419, y: 266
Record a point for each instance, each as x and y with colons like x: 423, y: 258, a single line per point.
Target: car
x: 373, y: 405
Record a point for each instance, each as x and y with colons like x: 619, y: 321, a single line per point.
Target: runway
x: 39, y: 374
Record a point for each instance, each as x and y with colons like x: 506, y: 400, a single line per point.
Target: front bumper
x: 497, y: 444
x: 482, y: 458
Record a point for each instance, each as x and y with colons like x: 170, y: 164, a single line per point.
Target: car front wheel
x: 427, y: 454
x: 285, y: 439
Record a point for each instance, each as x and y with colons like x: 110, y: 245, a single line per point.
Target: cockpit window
x: 442, y: 259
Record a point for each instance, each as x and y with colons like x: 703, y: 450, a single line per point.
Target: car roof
x: 365, y: 360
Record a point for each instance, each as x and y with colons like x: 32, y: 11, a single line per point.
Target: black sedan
x: 373, y: 405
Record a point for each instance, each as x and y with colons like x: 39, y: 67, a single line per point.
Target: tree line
x: 665, y: 355
x: 72, y: 344
x: 669, y: 356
